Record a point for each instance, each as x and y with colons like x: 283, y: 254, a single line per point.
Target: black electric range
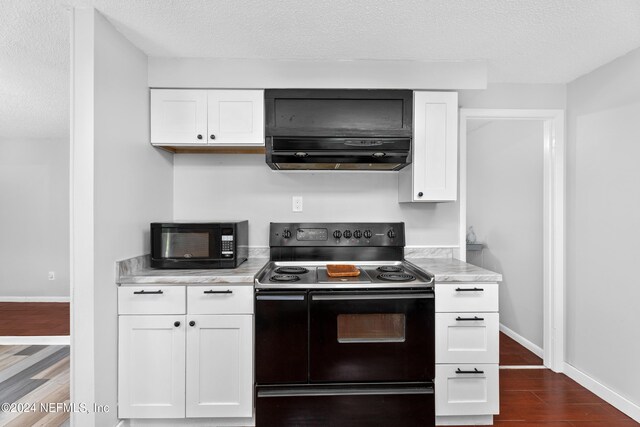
x: 343, y: 351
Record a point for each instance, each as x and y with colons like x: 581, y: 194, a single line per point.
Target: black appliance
x: 220, y: 244
x: 332, y: 129
x: 343, y: 351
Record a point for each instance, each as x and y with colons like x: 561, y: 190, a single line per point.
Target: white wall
x: 120, y: 184
x: 272, y: 73
x: 227, y: 186
x: 515, y: 95
x: 602, y: 225
x: 34, y: 213
x: 504, y: 206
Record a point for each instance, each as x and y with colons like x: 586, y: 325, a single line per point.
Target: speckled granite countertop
x: 138, y: 272
x: 454, y: 270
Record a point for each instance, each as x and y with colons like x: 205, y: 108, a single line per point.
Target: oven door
x: 358, y: 336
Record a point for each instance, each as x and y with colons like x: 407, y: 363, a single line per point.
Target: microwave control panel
x: 227, y: 243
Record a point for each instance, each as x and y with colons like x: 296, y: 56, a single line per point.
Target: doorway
x: 512, y: 193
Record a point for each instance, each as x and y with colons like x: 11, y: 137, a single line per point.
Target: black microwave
x: 196, y: 245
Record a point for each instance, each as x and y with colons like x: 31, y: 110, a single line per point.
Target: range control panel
x: 337, y: 234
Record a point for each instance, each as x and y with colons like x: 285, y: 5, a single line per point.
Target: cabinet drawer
x: 466, y: 297
x: 151, y: 300
x: 220, y: 299
x: 467, y: 337
x: 467, y: 389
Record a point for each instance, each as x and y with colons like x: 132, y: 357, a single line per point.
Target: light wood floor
x: 31, y: 376
x: 34, y: 318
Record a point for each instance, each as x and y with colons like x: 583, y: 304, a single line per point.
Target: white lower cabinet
x: 182, y: 364
x: 151, y: 362
x: 463, y: 389
x: 467, y: 352
x: 219, y: 366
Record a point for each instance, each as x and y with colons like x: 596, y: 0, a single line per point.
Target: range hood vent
x: 338, y: 129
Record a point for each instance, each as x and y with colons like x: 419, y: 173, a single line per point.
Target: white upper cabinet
x: 198, y: 117
x: 178, y: 117
x: 236, y: 117
x: 433, y: 173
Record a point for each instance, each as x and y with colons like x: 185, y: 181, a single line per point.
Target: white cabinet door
x: 467, y: 389
x: 467, y: 337
x: 178, y: 117
x: 433, y: 174
x: 151, y: 366
x: 236, y: 117
x: 220, y: 366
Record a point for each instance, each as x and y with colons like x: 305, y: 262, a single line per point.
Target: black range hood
x: 320, y: 129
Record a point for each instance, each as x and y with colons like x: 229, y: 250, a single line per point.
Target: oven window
x: 185, y: 244
x: 377, y: 327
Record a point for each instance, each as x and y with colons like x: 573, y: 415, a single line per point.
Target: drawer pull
x: 228, y: 291
x: 469, y: 290
x: 475, y: 371
x: 148, y: 292
x: 469, y: 319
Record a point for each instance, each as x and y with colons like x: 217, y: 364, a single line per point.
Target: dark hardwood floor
x: 513, y: 354
x: 540, y: 397
x: 34, y: 318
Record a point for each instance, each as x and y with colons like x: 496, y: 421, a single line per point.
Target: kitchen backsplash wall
x: 230, y: 186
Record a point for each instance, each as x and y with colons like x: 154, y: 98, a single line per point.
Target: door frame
x: 554, y: 183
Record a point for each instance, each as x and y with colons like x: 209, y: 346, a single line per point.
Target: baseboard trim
x: 523, y: 367
x: 522, y: 341
x: 35, y: 299
x: 464, y: 420
x: 41, y: 340
x: 602, y: 391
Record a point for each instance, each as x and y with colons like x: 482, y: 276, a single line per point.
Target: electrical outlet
x: 297, y: 203
x: 52, y: 275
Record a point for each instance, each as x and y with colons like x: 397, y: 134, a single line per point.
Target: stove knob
x: 286, y: 233
x: 391, y: 234
x: 357, y: 234
x: 347, y: 234
x: 367, y: 234
x: 337, y: 234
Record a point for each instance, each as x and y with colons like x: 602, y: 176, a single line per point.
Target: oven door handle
x: 360, y: 391
x: 370, y: 297
x: 280, y: 297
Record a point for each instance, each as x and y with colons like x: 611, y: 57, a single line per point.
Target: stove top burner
x: 389, y: 269
x: 291, y: 270
x: 397, y: 277
x: 284, y: 278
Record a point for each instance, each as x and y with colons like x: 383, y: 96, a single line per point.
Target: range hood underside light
x: 341, y: 166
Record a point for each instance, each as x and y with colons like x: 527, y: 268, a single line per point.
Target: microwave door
x: 185, y: 243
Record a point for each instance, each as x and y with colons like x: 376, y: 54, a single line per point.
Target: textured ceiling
x: 550, y: 41
x: 526, y: 41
